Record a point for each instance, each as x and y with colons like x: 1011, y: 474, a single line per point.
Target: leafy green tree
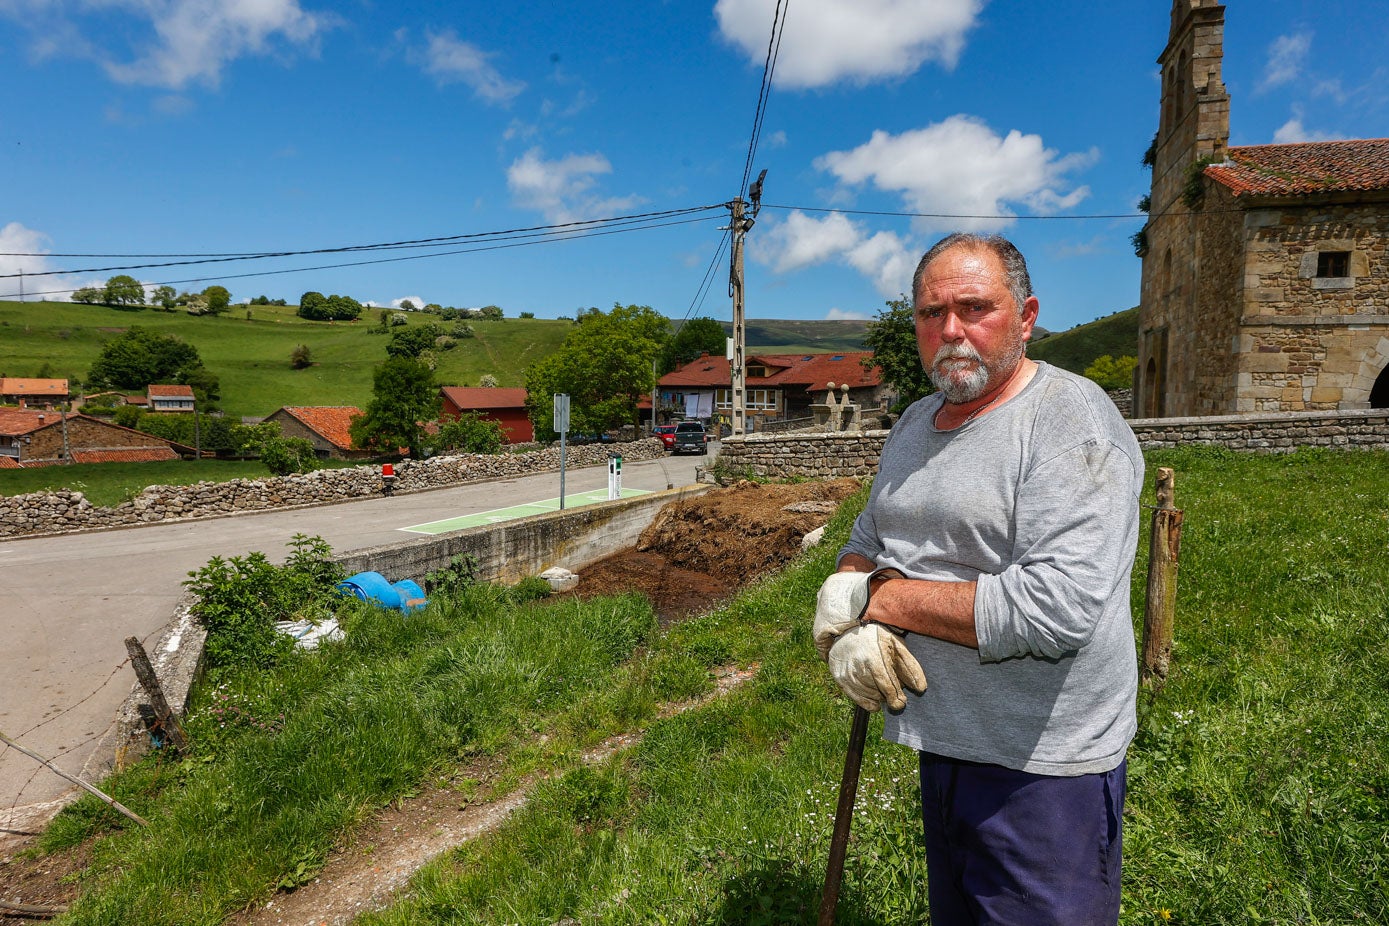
x: 124, y: 290
x: 491, y: 313
x: 164, y: 296
x: 128, y: 416
x: 470, y: 434
x: 286, y: 455
x: 412, y: 341
x: 218, y: 299
x: 301, y: 358
x: 1111, y: 372
x: 528, y: 315
x: 487, y: 381
x: 892, y: 338
x: 141, y: 357
x: 404, y: 396
x: 604, y: 365
x: 313, y: 306
x: 88, y: 295
x: 343, y: 308
x: 407, y: 305
x: 694, y: 338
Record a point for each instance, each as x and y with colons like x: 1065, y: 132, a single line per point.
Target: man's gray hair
x: 1014, y: 265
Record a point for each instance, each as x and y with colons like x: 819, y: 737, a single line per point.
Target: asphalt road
x: 68, y: 603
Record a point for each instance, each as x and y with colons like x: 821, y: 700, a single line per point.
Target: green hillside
x: 251, y: 354
x: 788, y: 336
x: 1076, y: 348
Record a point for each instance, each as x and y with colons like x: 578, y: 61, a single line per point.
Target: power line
x: 765, y: 91
x: 548, y: 239
x: 531, y: 231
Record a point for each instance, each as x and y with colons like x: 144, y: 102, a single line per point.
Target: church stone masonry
x: 1265, y: 284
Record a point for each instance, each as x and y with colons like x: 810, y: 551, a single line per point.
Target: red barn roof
x: 810, y: 372
x: 480, y: 398
x: 1310, y: 167
x: 49, y: 388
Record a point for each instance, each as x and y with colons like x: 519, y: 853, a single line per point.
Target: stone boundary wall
x: 816, y: 456
x: 64, y: 511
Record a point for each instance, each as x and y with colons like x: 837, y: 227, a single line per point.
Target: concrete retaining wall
x: 63, y: 511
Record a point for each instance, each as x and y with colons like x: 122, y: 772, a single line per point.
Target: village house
x: 327, y: 427
x: 170, y: 398
x: 1265, y: 283
x: 780, y: 387
x: 33, y: 393
x: 507, y: 407
x: 33, y: 437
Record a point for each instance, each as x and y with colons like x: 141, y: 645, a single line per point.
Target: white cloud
x: 963, y: 171
x: 419, y: 302
x: 838, y: 314
x: 17, y: 239
x: 1286, y: 57
x: 195, y: 39
x: 824, y: 41
x: 802, y: 241
x: 451, y: 60
x: 563, y: 190
x: 1293, y: 131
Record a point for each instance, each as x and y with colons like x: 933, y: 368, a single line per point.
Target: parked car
x: 666, y: 432
x: 690, y: 437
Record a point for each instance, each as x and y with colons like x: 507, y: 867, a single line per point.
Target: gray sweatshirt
x: 1036, y: 501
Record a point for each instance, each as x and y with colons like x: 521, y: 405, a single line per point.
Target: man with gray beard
x: 993, y: 559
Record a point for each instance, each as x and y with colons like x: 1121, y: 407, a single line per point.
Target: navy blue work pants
x: 1009, y: 847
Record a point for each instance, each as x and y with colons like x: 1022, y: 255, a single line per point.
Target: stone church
x: 1265, y: 281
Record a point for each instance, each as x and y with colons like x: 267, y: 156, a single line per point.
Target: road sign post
x: 562, y: 426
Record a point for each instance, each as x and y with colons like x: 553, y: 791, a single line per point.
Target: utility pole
x: 742, y: 222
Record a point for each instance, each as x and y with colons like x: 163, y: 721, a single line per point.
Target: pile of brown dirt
x: 700, y: 551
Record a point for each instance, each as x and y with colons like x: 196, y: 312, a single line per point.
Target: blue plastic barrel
x: 373, y: 587
x: 410, y: 594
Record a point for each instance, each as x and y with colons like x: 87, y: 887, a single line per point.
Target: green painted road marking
x: 576, y: 500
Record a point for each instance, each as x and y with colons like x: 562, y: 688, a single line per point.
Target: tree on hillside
x: 164, y: 296
x: 88, y: 295
x: 124, y: 290
x: 468, y: 433
x: 311, y: 306
x: 892, y: 338
x: 301, y: 358
x: 404, y: 396
x: 694, y: 338
x: 1111, y: 372
x: 491, y: 313
x: 604, y: 365
x: 140, y: 357
x: 412, y: 341
x: 218, y: 299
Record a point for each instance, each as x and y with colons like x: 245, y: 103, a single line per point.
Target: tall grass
x: 1258, y: 781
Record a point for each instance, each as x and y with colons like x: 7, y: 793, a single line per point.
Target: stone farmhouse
x: 327, y: 427
x: 1265, y: 283
x: 779, y: 386
x: 32, y: 437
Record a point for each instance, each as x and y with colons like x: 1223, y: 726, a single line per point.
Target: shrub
x: 286, y: 455
x: 301, y: 358
x: 470, y: 434
x: 241, y: 598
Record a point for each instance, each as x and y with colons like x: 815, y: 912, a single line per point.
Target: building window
x: 1333, y: 264
x: 757, y: 399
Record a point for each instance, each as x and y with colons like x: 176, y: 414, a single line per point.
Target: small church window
x: 1333, y: 264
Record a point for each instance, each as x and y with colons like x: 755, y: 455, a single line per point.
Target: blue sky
x: 235, y: 126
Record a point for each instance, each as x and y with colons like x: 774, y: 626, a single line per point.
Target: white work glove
x: 839, y: 606
x: 871, y: 664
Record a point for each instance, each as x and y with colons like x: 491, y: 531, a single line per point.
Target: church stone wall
x: 1312, y: 343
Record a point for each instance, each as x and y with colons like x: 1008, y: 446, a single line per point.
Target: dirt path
x: 693, y: 556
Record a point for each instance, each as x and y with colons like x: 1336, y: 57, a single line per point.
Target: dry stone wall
x: 62, y: 511
x: 782, y: 456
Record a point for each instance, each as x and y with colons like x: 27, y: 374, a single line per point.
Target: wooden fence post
x: 164, y: 719
x: 90, y: 789
x: 1164, y: 549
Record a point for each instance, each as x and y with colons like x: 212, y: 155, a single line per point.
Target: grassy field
x: 251, y: 356
x: 1258, y: 789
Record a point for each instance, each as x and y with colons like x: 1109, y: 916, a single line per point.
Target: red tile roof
x: 7, y: 462
x: 1310, y: 167
x: 125, y: 455
x: 14, y: 385
x: 810, y: 372
x: 17, y: 421
x: 481, y: 398
x: 331, y: 422
x: 171, y: 392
